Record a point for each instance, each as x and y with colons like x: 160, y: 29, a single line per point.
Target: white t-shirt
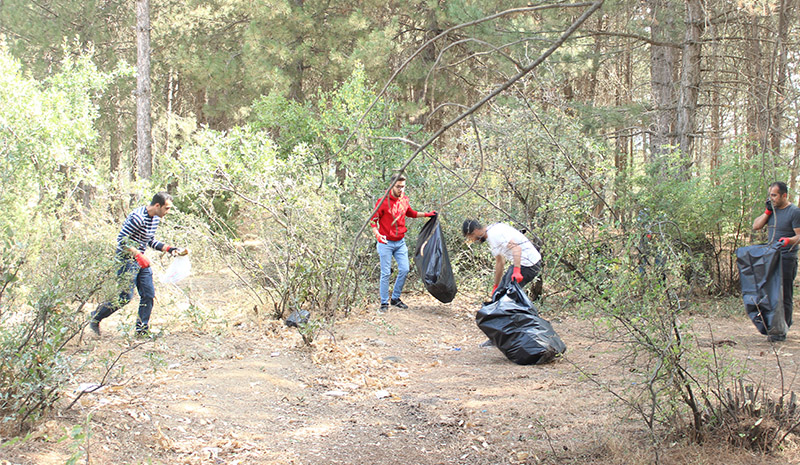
x: 498, y: 236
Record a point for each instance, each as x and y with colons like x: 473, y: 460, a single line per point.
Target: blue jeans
x: 142, y: 280
x: 399, y: 251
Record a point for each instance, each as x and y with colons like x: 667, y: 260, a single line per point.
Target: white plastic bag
x: 180, y: 268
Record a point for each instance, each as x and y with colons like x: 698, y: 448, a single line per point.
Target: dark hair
x: 469, y: 226
x: 781, y: 187
x: 161, y: 198
x: 397, y: 177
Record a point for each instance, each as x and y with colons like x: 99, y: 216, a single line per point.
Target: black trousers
x: 528, y: 274
x: 789, y: 270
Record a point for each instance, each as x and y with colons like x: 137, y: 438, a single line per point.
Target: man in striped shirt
x: 137, y: 233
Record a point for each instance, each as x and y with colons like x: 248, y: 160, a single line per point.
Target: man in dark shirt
x: 137, y: 233
x: 783, y: 222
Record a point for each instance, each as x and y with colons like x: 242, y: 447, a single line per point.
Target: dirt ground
x: 221, y: 385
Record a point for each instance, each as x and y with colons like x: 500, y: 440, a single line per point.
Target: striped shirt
x: 138, y: 231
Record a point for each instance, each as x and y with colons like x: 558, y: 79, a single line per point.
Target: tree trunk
x: 795, y: 163
x: 757, y: 112
x: 114, y: 139
x: 716, y: 112
x: 662, y: 64
x: 144, y: 159
x: 690, y: 82
x: 779, y: 102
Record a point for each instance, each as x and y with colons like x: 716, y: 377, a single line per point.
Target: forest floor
x: 221, y: 385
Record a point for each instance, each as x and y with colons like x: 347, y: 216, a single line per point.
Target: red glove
x: 142, y: 260
x: 517, y: 274
x: 174, y: 251
x: 785, y: 241
x: 429, y: 214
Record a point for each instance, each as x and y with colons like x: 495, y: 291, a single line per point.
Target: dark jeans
x: 528, y: 275
x: 142, y: 280
x: 789, y: 269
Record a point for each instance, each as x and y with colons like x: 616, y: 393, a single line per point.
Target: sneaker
x: 487, y: 343
x: 399, y: 304
x: 384, y: 308
x: 775, y: 338
x: 95, y: 327
x: 143, y: 331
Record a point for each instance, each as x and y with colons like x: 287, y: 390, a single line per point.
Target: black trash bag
x: 512, y: 322
x: 761, y: 276
x: 297, y: 318
x: 433, y: 263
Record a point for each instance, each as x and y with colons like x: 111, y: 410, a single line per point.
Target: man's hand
x: 380, y: 237
x: 141, y: 260
x: 429, y: 214
x: 491, y: 294
x: 517, y: 274
x: 785, y: 241
x: 769, y: 209
x: 174, y: 251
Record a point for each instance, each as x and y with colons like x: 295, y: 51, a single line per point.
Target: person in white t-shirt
x: 506, y: 244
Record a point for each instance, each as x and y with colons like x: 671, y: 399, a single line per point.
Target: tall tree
x: 690, y: 80
x: 144, y: 137
x: 663, y: 58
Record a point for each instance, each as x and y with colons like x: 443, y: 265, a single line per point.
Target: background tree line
x: 277, y: 124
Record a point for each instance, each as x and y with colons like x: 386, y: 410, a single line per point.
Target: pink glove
x: 517, y: 274
x: 142, y: 260
x: 429, y: 214
x: 785, y: 241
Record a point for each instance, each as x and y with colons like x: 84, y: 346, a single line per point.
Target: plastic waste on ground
x: 512, y: 322
x: 433, y: 263
x: 179, y: 269
x: 761, y: 277
x: 297, y: 318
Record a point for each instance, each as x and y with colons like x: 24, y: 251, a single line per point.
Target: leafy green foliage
x: 43, y: 312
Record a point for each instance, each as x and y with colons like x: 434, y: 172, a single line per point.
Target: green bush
x: 42, y: 311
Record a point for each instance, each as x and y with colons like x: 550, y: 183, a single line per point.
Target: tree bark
x: 662, y: 65
x: 757, y: 111
x: 778, y: 103
x: 144, y: 158
x: 690, y: 82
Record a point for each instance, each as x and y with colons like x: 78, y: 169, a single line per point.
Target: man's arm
x: 761, y: 221
x: 499, y: 268
x: 791, y: 241
x: 516, y: 253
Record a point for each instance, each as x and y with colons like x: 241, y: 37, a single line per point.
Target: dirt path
x: 409, y: 387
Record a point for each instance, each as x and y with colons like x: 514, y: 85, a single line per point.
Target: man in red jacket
x: 389, y: 226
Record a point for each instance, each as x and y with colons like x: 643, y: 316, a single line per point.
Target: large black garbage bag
x: 433, y: 263
x: 514, y: 325
x: 762, y: 287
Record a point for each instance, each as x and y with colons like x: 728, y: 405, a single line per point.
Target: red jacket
x: 391, y: 217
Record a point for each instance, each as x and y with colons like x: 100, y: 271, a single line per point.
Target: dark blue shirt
x: 781, y: 224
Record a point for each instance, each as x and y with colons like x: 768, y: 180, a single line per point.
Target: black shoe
x: 384, y: 308
x: 399, y: 304
x: 774, y: 338
x: 95, y: 327
x: 143, y: 331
